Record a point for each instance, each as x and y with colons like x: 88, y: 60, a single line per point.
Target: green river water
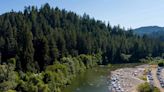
x: 93, y: 80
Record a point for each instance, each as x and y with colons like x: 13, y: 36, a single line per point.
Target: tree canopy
x: 37, y: 37
x: 49, y: 46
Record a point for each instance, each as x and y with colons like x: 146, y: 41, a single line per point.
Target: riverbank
x: 127, y: 79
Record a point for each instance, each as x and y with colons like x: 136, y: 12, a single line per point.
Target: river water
x: 93, y: 80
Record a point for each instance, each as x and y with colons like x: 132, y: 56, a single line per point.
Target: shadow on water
x: 93, y: 80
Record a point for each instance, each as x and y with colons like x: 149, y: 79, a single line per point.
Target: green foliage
x: 88, y: 60
x: 161, y: 64
x: 38, y: 37
x: 12, y: 61
x: 32, y: 83
x: 125, y: 57
x: 43, y: 49
x: 10, y: 91
x: 60, y: 74
x: 8, y: 77
x: 144, y: 77
x: 43, y: 88
x: 151, y: 60
x: 156, y: 89
x: 110, y: 65
x: 146, y: 87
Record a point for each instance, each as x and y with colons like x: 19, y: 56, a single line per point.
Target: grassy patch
x: 143, y: 77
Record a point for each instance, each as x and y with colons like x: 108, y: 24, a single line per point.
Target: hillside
x: 152, y: 31
x: 48, y: 47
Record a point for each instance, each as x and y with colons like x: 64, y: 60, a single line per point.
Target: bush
x: 143, y: 78
x: 10, y: 91
x: 156, y: 89
x: 125, y: 57
x: 54, y: 77
x: 146, y: 87
x: 161, y: 64
x: 8, y: 77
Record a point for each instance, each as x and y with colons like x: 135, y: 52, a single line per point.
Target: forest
x: 47, y: 47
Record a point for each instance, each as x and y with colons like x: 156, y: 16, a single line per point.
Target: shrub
x: 146, y: 87
x: 161, y: 64
x: 156, y: 89
x: 10, y: 91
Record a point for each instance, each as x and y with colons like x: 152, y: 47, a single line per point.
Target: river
x: 93, y: 80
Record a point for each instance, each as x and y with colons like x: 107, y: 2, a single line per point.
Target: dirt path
x: 156, y: 81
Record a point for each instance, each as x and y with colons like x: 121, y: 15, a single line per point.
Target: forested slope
x: 151, y: 31
x: 46, y: 47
